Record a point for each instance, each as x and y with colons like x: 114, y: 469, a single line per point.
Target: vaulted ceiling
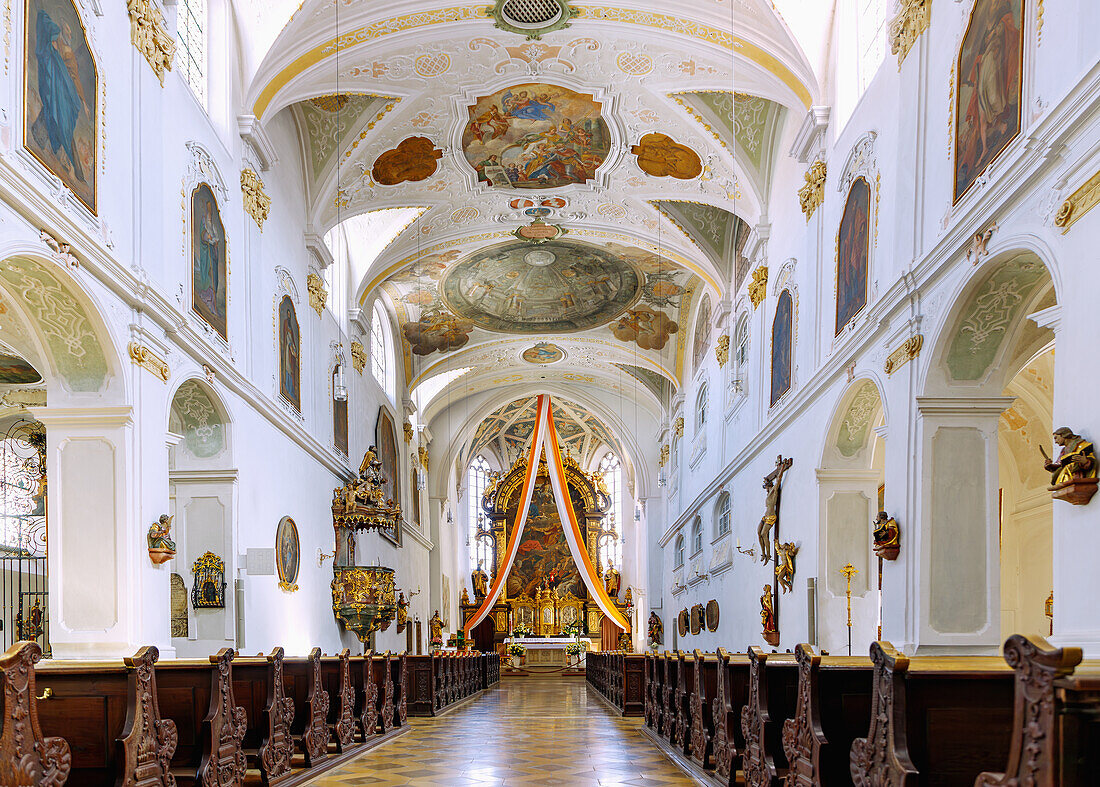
x: 570, y: 199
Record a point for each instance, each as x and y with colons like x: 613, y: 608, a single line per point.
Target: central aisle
x: 522, y: 731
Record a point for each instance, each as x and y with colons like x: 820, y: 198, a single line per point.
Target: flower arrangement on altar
x: 576, y: 648
x: 521, y: 630
x: 436, y: 643
x: 571, y: 630
x: 517, y: 650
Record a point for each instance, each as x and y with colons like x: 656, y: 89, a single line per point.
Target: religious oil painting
x: 209, y: 267
x: 987, y: 109
x: 290, y: 354
x: 340, y: 425
x: 60, y: 110
x: 782, y: 338
x: 543, y: 353
x: 288, y: 553
x: 385, y: 437
x: 853, y: 250
x: 535, y: 136
x: 543, y: 560
x: 555, y: 287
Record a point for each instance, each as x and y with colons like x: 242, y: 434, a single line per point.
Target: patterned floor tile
x: 521, y: 733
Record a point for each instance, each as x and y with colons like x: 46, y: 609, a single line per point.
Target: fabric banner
x: 546, y: 436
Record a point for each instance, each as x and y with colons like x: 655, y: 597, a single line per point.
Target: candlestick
x: 848, y: 571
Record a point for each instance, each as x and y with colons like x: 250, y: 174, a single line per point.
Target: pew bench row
x: 619, y: 677
x: 189, y: 722
x: 439, y: 681
x: 1030, y: 718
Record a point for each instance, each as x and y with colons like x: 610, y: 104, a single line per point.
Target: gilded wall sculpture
x: 812, y: 193
x: 318, y: 295
x: 256, y: 201
x: 150, y: 36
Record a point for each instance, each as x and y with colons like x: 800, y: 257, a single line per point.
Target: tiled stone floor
x: 521, y: 732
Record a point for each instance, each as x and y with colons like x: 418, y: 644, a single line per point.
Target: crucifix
x: 773, y: 483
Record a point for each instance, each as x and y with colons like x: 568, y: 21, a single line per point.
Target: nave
x: 526, y: 731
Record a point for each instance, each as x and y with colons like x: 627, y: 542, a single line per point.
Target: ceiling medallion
x: 531, y: 18
x: 538, y: 231
x: 543, y: 353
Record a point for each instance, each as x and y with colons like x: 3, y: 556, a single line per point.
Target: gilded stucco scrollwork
x: 812, y: 193
x: 358, y: 356
x: 722, y: 350
x: 909, y: 350
x: 318, y: 295
x: 256, y: 201
x: 1079, y: 203
x: 146, y: 358
x: 758, y: 287
x: 678, y: 427
x: 150, y: 36
x: 906, y: 27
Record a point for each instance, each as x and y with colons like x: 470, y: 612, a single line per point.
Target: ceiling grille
x: 531, y: 13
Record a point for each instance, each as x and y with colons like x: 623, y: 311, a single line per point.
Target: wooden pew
x: 258, y: 687
x: 302, y: 677
x: 732, y: 691
x: 934, y: 720
x: 652, y: 686
x: 336, y: 678
x: 108, y: 714
x: 669, y: 713
x: 704, y: 691
x: 26, y: 757
x: 399, y: 677
x: 1053, y: 741
x: 383, y: 681
x: 366, y: 696
x: 420, y: 685
x: 833, y: 709
x: 198, y: 695
x: 685, y: 679
x: 773, y: 688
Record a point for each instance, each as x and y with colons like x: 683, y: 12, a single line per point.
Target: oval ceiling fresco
x: 15, y: 370
x: 551, y: 287
x: 535, y: 136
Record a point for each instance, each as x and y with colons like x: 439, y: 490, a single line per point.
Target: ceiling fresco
x: 556, y: 286
x: 535, y: 136
x: 719, y: 233
x: 507, y: 431
x: 15, y: 370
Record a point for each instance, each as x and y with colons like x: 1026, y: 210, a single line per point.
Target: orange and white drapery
x: 546, y: 436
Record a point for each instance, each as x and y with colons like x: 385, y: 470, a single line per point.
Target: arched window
x: 701, y: 407
x: 380, y: 364
x: 679, y: 556
x: 741, y: 347
x: 861, y: 50
x: 696, y: 536
x: 191, y: 34
x: 477, y: 478
x: 722, y: 518
x: 611, y: 546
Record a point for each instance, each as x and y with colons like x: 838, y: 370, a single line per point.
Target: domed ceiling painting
x: 552, y: 287
x: 535, y: 136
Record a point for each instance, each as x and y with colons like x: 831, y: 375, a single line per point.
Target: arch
x: 850, y: 438
x: 697, y: 536
x: 678, y: 552
x: 199, y: 416
x: 723, y: 515
x: 702, y: 402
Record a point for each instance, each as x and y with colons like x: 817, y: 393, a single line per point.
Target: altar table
x: 547, y: 651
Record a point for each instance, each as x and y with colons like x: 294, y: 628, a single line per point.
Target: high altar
x: 544, y: 589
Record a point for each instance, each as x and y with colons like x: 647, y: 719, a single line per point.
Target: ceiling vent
x: 532, y: 18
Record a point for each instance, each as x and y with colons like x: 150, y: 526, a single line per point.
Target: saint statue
x: 435, y: 626
x: 161, y: 547
x: 612, y: 581
x: 767, y: 610
x: 773, y: 483
x: 402, y: 612
x: 887, y: 536
x: 656, y: 630
x: 480, y: 581
x: 1076, y: 461
x: 464, y: 597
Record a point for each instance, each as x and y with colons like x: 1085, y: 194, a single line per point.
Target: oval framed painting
x: 288, y: 554
x: 682, y: 622
x: 543, y: 353
x: 712, y: 615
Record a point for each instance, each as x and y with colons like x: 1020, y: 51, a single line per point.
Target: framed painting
x: 853, y: 254
x: 988, y: 88
x: 782, y: 337
x: 209, y: 263
x: 288, y: 553
x: 60, y: 96
x: 290, y: 354
x: 340, y: 425
x: 385, y: 440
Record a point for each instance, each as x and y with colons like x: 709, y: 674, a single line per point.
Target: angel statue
x: 784, y: 568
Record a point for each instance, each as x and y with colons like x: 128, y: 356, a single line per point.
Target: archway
x: 851, y: 491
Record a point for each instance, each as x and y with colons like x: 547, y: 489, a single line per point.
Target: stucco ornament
x: 150, y: 36
x: 358, y: 356
x: 318, y: 295
x: 256, y: 201
x: 812, y: 193
x: 678, y: 426
x: 722, y: 350
x: 143, y: 356
x: 912, y: 19
x: 758, y: 287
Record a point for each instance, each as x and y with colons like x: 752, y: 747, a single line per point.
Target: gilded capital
x: 758, y: 287
x: 678, y: 426
x: 664, y: 456
x: 358, y: 356
x: 722, y: 350
x: 422, y: 452
x: 905, y: 28
x: 318, y: 295
x: 150, y: 36
x: 408, y: 427
x: 812, y: 193
x: 256, y: 201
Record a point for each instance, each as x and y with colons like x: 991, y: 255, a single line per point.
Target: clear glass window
x: 477, y: 478
x: 723, y: 514
x: 697, y: 536
x: 611, y: 546
x: 701, y: 407
x: 191, y: 35
x: 679, y: 551
x: 380, y: 364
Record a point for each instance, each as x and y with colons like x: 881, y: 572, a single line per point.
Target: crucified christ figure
x: 773, y: 482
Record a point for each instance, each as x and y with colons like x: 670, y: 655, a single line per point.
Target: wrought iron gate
x: 24, y: 586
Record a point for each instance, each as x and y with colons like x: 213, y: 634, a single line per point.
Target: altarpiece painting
x: 209, y: 266
x: 853, y: 253
x: 290, y: 354
x: 988, y: 90
x: 60, y: 103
